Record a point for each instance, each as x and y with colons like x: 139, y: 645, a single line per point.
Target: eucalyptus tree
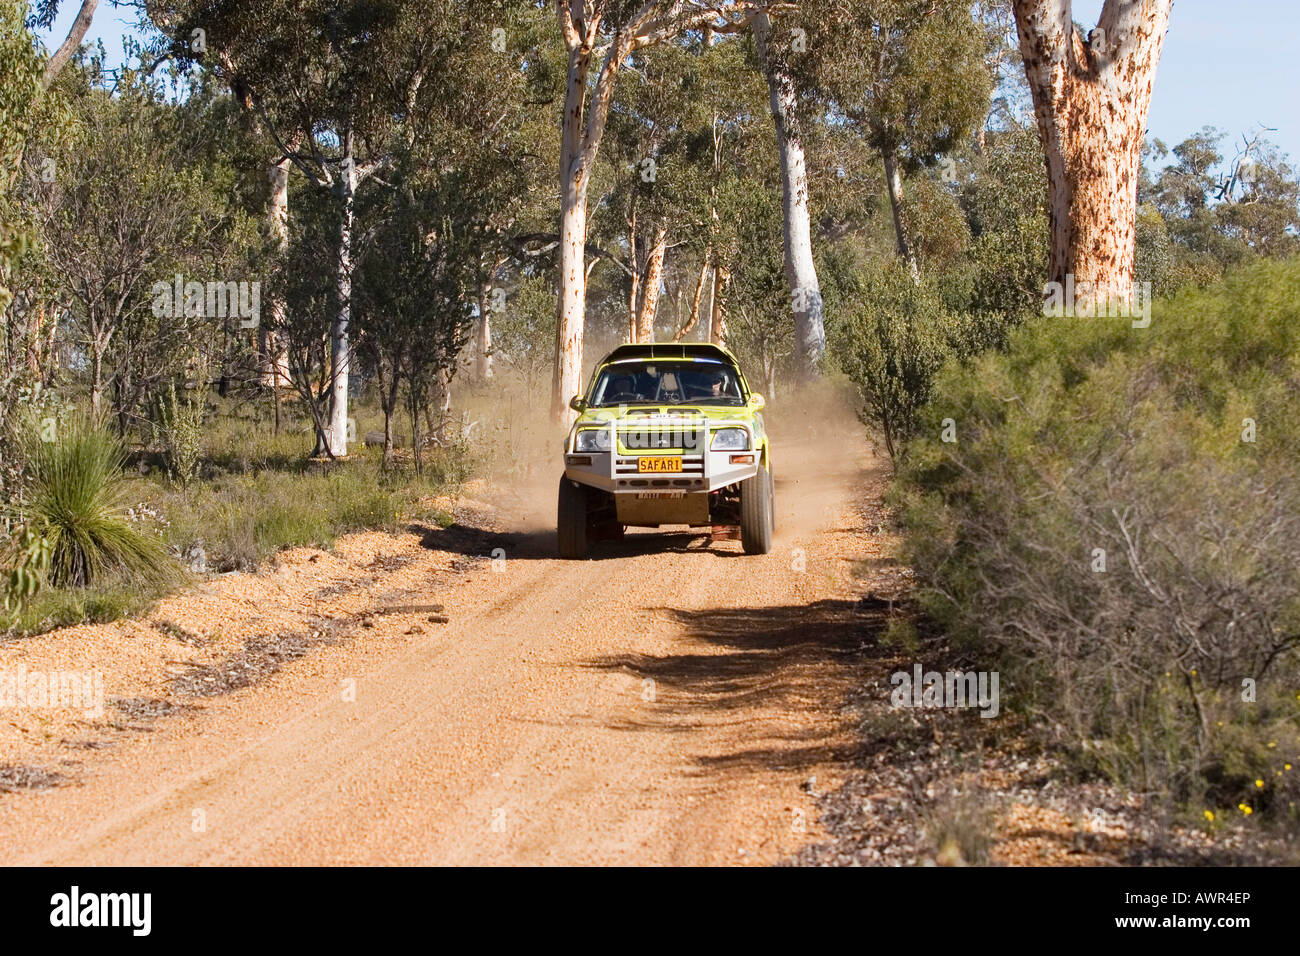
x: 661, y: 170
x: 128, y: 207
x: 910, y: 75
x: 453, y: 191
x: 340, y: 87
x: 1091, y: 96
x: 604, y: 32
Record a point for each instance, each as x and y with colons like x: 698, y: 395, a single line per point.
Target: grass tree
x: 75, y: 499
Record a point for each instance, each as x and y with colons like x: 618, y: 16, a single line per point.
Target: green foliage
x: 895, y: 337
x: 75, y: 497
x: 179, y: 429
x: 20, y: 88
x: 892, y: 346
x: 1118, y: 526
x: 27, y: 558
x: 1217, y: 213
x: 61, y: 607
x: 258, y: 497
x: 1006, y: 209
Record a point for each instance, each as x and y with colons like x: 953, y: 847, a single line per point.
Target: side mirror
x: 757, y: 402
x: 578, y: 404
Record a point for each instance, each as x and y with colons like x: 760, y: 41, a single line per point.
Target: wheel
x: 571, y: 520
x: 756, y: 513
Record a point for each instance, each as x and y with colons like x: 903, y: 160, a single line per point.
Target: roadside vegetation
x: 120, y: 531
x: 1115, y: 527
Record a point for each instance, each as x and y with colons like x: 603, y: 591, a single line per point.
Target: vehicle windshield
x: 659, y: 382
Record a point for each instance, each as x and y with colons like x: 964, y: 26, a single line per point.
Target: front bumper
x: 702, y: 469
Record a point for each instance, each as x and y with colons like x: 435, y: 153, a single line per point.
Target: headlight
x: 730, y: 439
x: 592, y: 439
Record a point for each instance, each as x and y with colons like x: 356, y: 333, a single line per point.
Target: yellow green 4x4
x: 667, y: 434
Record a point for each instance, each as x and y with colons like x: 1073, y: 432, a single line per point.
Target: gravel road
x: 669, y: 702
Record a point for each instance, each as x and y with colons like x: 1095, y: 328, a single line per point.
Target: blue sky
x: 1230, y: 65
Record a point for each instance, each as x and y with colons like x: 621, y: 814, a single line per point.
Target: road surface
x: 670, y: 702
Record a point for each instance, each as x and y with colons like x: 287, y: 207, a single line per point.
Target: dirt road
x: 669, y: 702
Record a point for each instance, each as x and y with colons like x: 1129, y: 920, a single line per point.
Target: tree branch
x: 70, y: 44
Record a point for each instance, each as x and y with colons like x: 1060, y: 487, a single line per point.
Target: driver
x: 622, y: 385
x: 714, y: 384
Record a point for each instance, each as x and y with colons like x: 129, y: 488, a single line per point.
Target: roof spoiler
x: 671, y: 350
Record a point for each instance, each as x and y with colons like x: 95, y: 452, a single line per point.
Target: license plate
x: 658, y: 464
x: 657, y: 495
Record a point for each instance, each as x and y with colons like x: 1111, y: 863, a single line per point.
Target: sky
x: 1230, y: 65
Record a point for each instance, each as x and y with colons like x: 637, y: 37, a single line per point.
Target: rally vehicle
x: 667, y: 434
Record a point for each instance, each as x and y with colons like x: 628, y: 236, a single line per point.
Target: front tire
x: 757, y: 512
x: 571, y: 520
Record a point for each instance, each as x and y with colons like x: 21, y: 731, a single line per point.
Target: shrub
x: 894, y: 342
x: 1103, y: 528
x: 179, y: 429
x: 27, y: 560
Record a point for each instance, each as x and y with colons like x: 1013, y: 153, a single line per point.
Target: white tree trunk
x: 275, y: 367
x: 1091, y: 99
x: 566, y: 381
x: 800, y: 272
x: 340, y: 351
x: 483, y: 352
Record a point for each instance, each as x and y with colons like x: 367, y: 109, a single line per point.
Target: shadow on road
x: 540, y: 545
x: 789, y: 665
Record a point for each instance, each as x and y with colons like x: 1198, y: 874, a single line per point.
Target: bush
x: 75, y: 502
x: 179, y: 429
x: 26, y: 560
x: 1105, y: 529
x: 894, y: 342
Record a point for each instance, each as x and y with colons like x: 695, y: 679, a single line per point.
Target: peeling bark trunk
x: 483, y: 351
x: 1091, y: 99
x: 573, y: 294
x: 694, y: 318
x: 894, y: 185
x: 718, y: 316
x: 654, y: 270
x: 566, y: 380
x: 800, y: 271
